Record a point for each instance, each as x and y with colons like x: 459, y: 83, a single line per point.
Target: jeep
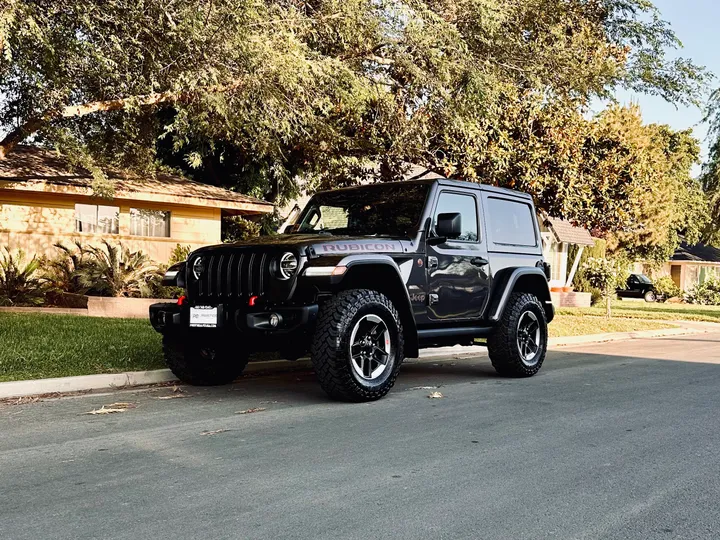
x: 364, y: 277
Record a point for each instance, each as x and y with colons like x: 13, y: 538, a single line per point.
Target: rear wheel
x: 202, y: 364
x: 650, y: 296
x: 358, y: 346
x: 518, y: 343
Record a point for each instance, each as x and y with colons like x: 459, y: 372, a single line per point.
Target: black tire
x: 650, y: 296
x: 340, y: 318
x: 203, y: 365
x: 504, y: 344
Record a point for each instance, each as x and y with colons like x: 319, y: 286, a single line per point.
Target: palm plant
x: 20, y: 283
x: 63, y: 273
x: 114, y: 270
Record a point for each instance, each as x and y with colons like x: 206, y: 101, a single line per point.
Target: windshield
x: 642, y: 278
x: 377, y: 210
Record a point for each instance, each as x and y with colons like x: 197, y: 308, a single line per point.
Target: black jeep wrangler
x: 365, y: 277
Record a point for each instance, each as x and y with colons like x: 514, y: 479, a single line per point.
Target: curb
x: 84, y: 383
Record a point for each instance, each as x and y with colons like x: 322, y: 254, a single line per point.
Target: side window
x: 466, y: 205
x: 511, y: 223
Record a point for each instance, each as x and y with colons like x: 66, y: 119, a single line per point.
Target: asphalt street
x: 619, y: 440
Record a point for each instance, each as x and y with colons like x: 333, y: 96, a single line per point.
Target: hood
x: 319, y: 244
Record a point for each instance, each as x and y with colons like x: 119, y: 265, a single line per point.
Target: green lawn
x: 570, y: 323
x: 36, y: 346
x: 657, y: 311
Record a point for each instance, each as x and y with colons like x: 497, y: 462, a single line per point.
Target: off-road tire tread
x: 502, y: 345
x: 193, y: 372
x: 331, y: 365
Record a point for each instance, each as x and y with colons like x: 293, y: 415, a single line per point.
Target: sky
x: 696, y: 24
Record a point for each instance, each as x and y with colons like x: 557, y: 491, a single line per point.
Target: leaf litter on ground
x: 436, y: 395
x: 214, y: 432
x: 250, y: 411
x: 113, y: 408
x: 177, y: 393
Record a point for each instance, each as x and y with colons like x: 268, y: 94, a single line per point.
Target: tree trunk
x: 608, y: 300
x: 20, y: 133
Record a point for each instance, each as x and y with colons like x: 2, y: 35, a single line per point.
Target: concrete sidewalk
x: 85, y: 383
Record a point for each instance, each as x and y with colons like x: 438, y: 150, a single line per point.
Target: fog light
x: 274, y: 320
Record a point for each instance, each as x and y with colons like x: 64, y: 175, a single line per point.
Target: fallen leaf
x: 253, y: 410
x: 113, y: 408
x: 172, y: 396
x: 424, y: 387
x: 215, y: 432
x: 436, y: 395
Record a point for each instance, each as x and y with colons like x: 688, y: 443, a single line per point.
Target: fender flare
x: 403, y: 274
x: 505, y: 282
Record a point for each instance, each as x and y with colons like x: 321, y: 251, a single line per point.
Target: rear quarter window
x: 511, y: 223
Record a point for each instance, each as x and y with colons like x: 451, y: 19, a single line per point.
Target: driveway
x: 620, y: 440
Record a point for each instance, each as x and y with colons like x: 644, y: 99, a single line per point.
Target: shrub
x: 114, y: 270
x: 236, y: 228
x: 665, y: 288
x: 179, y: 254
x: 20, y: 283
x: 706, y: 293
x: 597, y: 251
x: 596, y: 296
x: 63, y: 272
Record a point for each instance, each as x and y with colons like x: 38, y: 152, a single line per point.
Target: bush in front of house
x: 114, y: 270
x: 20, y: 282
x: 237, y: 228
x: 706, y: 293
x: 665, y: 288
x: 63, y: 272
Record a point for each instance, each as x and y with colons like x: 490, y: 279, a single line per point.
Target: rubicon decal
x: 349, y: 247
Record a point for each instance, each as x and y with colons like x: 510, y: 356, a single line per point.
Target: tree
x: 255, y: 94
x: 606, y: 275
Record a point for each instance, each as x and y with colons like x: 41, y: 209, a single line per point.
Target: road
x: 619, y: 440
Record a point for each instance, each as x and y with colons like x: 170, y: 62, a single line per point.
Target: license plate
x: 204, y: 316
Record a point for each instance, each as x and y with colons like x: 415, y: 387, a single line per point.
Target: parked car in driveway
x: 639, y: 286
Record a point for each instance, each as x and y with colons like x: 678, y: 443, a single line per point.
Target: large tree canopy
x: 255, y: 94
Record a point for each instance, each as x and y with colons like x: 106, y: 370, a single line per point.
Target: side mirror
x: 449, y: 225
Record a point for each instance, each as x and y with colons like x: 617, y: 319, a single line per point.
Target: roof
x: 449, y: 182
x: 564, y: 231
x: 698, y: 252
x: 30, y: 168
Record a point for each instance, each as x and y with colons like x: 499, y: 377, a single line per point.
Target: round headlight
x: 287, y: 266
x: 198, y: 267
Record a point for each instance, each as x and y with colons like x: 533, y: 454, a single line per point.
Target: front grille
x: 230, y: 275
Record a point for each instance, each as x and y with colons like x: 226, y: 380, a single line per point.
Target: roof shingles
x: 30, y: 166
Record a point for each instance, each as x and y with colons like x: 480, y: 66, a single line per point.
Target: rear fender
x: 526, y: 279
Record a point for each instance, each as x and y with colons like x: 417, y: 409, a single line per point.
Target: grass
x: 657, y: 311
x: 36, y: 346
x: 580, y: 324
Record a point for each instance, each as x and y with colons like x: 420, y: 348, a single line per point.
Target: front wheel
x: 518, y: 343
x: 358, y: 344
x: 650, y: 296
x: 203, y: 364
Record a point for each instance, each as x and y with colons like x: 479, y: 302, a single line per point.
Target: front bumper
x: 167, y: 317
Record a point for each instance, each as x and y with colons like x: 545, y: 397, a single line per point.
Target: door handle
x: 478, y: 261
x: 432, y: 262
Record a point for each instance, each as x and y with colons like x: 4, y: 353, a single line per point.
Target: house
x: 688, y: 267
x: 44, y: 201
x: 558, y: 235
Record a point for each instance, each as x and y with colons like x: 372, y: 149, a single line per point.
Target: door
x: 458, y: 281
